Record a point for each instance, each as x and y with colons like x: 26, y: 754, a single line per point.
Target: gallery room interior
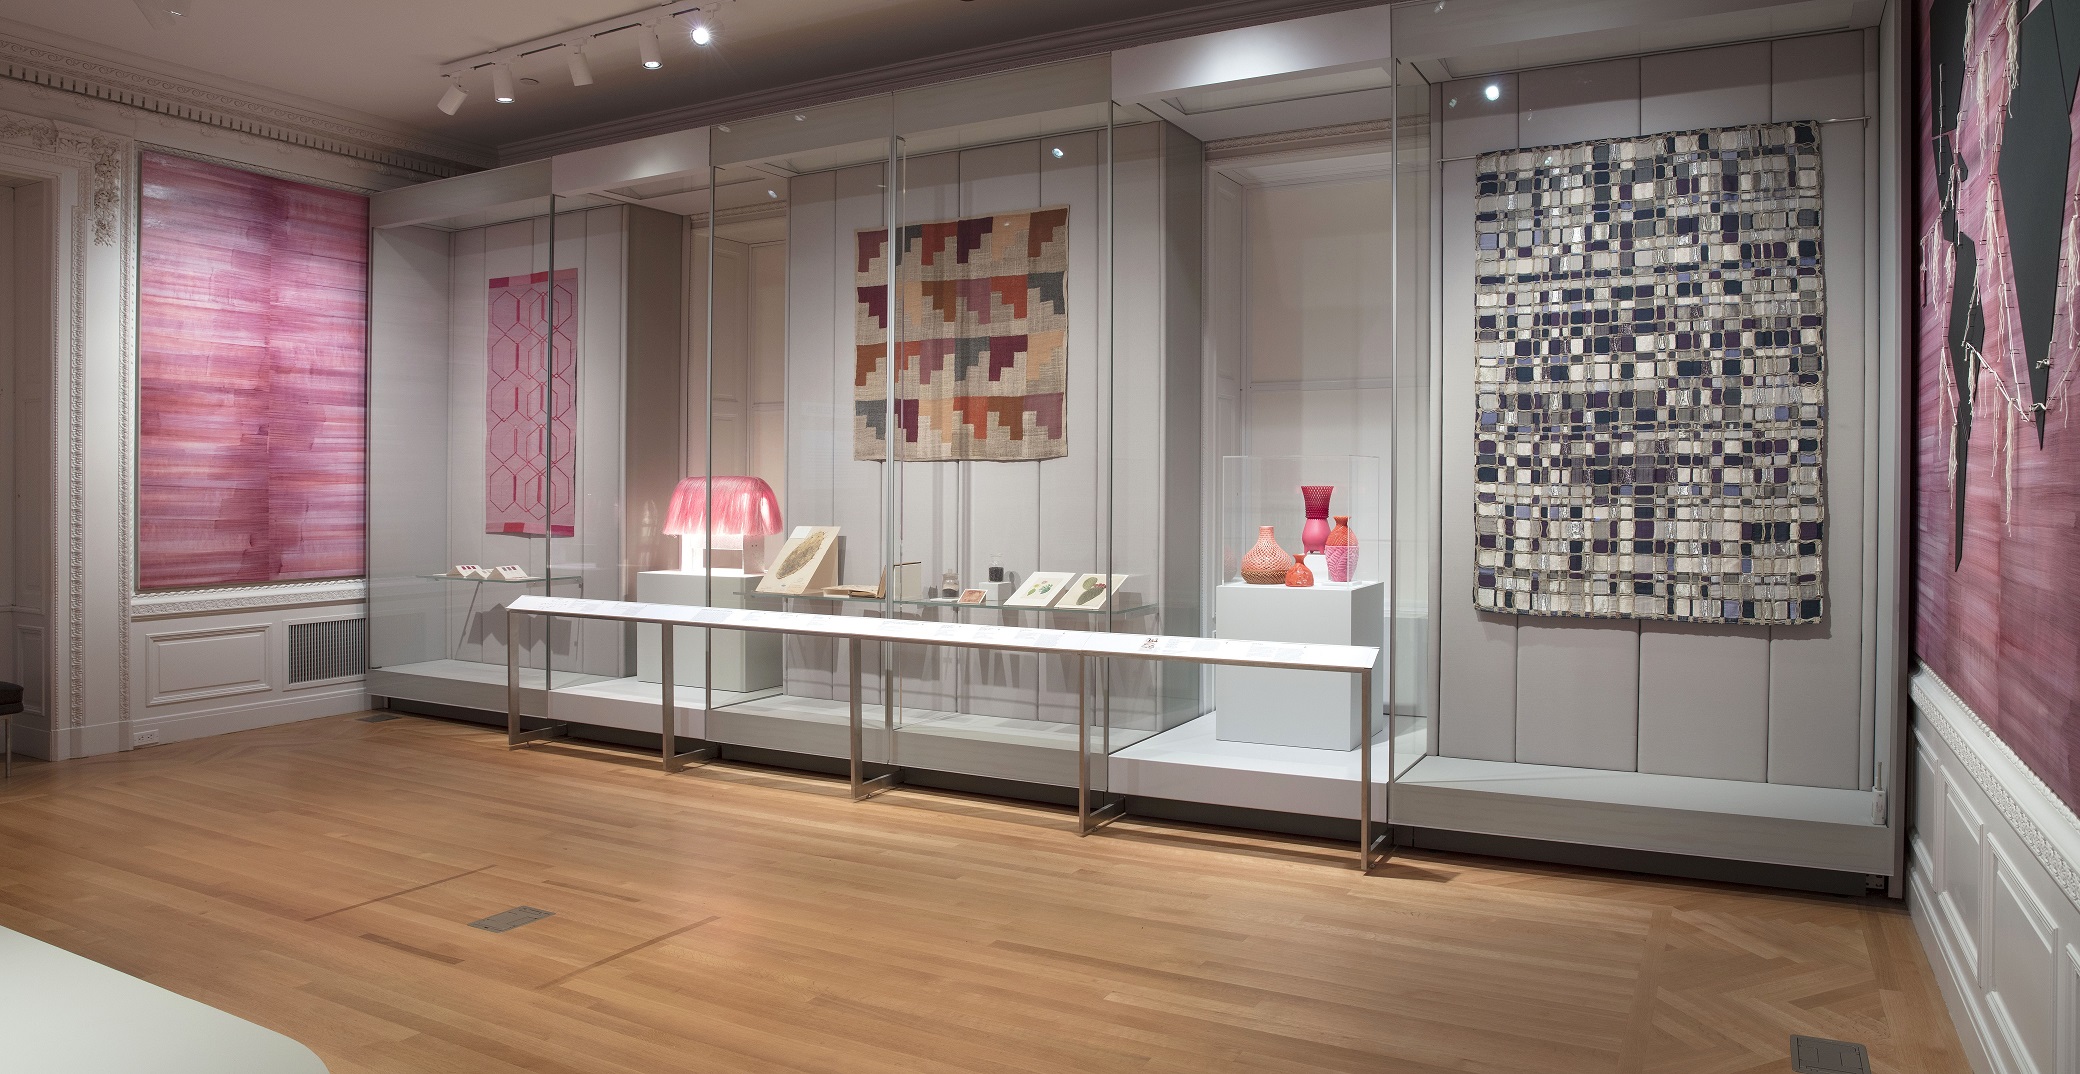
x: 981, y: 535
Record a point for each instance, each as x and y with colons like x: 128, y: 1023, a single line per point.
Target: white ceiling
x: 381, y: 58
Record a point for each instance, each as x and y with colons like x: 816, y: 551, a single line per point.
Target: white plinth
x: 67, y: 1013
x: 1296, y: 708
x: 744, y: 662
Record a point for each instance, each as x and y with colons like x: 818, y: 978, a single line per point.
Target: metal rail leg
x: 1368, y: 846
x: 514, y: 736
x: 1088, y: 819
x: 862, y: 787
x: 668, y: 738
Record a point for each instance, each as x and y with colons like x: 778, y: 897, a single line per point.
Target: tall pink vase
x: 1316, y: 531
x: 1266, y: 563
x: 1341, y: 551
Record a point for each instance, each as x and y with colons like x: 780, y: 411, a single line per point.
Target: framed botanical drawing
x: 1041, y: 589
x: 1091, y: 592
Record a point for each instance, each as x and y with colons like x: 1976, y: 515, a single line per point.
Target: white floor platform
x: 1811, y: 827
x: 1189, y: 764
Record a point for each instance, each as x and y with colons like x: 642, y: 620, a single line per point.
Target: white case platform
x: 744, y: 662
x: 1296, y: 708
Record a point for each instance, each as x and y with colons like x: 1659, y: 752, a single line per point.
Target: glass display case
x: 969, y: 412
x: 502, y: 457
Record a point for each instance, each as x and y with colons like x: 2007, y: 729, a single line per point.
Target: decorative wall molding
x: 2046, y: 825
x: 243, y: 598
x: 103, y: 154
x: 45, y: 65
x: 929, y: 70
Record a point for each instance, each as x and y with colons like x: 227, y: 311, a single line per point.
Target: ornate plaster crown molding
x: 103, y: 153
x: 42, y: 64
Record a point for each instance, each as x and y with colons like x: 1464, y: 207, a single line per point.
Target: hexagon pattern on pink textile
x: 530, y: 411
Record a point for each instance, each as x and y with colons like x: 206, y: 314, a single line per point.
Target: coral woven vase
x: 1300, y: 577
x: 1317, y: 529
x: 1266, y: 563
x: 1342, y: 551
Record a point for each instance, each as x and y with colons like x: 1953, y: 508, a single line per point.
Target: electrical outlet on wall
x: 145, y: 738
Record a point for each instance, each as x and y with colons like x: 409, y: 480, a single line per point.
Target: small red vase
x: 1341, y: 551
x: 1300, y: 577
x: 1266, y: 563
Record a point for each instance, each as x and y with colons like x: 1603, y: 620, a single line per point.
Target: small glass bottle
x: 996, y: 566
x: 949, y: 584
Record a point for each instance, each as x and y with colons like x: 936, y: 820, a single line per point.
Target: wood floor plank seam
x: 651, y: 942
x: 395, y: 894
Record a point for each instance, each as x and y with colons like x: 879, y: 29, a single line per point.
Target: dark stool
x: 10, y: 703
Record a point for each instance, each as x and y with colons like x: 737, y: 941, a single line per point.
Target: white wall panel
x: 1819, y: 77
x: 2022, y: 945
x: 193, y: 664
x: 1704, y: 701
x: 1963, y: 872
x: 1994, y: 892
x: 1577, y: 699
x: 1477, y: 651
x: 1579, y: 102
x: 1817, y: 736
x: 1719, y: 87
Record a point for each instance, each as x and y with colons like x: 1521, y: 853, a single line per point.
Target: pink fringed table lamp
x: 746, y: 513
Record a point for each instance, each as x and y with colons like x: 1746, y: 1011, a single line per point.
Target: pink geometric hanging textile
x: 252, y: 371
x: 528, y: 486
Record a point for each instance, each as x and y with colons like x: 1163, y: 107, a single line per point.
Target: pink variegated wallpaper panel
x: 252, y: 377
x: 528, y: 486
x: 1997, y: 554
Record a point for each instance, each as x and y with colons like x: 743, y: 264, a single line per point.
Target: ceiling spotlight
x: 1057, y: 152
x: 452, y: 100
x: 581, y: 71
x: 646, y: 42
x: 701, y: 34
x: 774, y: 194
x: 502, y: 83
x: 1493, y: 92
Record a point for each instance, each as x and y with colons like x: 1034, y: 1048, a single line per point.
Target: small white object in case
x: 470, y: 570
x: 512, y: 572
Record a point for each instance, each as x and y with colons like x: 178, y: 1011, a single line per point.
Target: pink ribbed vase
x: 1317, y: 529
x: 1342, y: 551
x: 1266, y: 563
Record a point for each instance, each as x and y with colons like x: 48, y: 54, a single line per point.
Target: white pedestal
x: 744, y: 661
x: 1297, y: 708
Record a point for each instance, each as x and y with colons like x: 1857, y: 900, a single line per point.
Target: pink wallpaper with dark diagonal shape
x: 252, y: 377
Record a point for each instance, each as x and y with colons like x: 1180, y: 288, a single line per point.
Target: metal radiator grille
x: 335, y: 649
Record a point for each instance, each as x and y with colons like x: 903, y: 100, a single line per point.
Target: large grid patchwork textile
x: 530, y: 409
x: 982, y: 340
x: 1650, y: 405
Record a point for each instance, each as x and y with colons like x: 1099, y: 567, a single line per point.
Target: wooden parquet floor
x: 319, y: 878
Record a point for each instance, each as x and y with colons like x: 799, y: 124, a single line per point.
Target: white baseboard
x: 1994, y: 889
x: 305, y: 705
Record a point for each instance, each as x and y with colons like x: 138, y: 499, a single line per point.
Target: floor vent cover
x: 333, y: 649
x: 511, y: 919
x: 1818, y: 1055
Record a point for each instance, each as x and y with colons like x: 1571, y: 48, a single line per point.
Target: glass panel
x: 1412, y: 699
x: 779, y: 298
x: 1002, y: 434
x: 462, y: 322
